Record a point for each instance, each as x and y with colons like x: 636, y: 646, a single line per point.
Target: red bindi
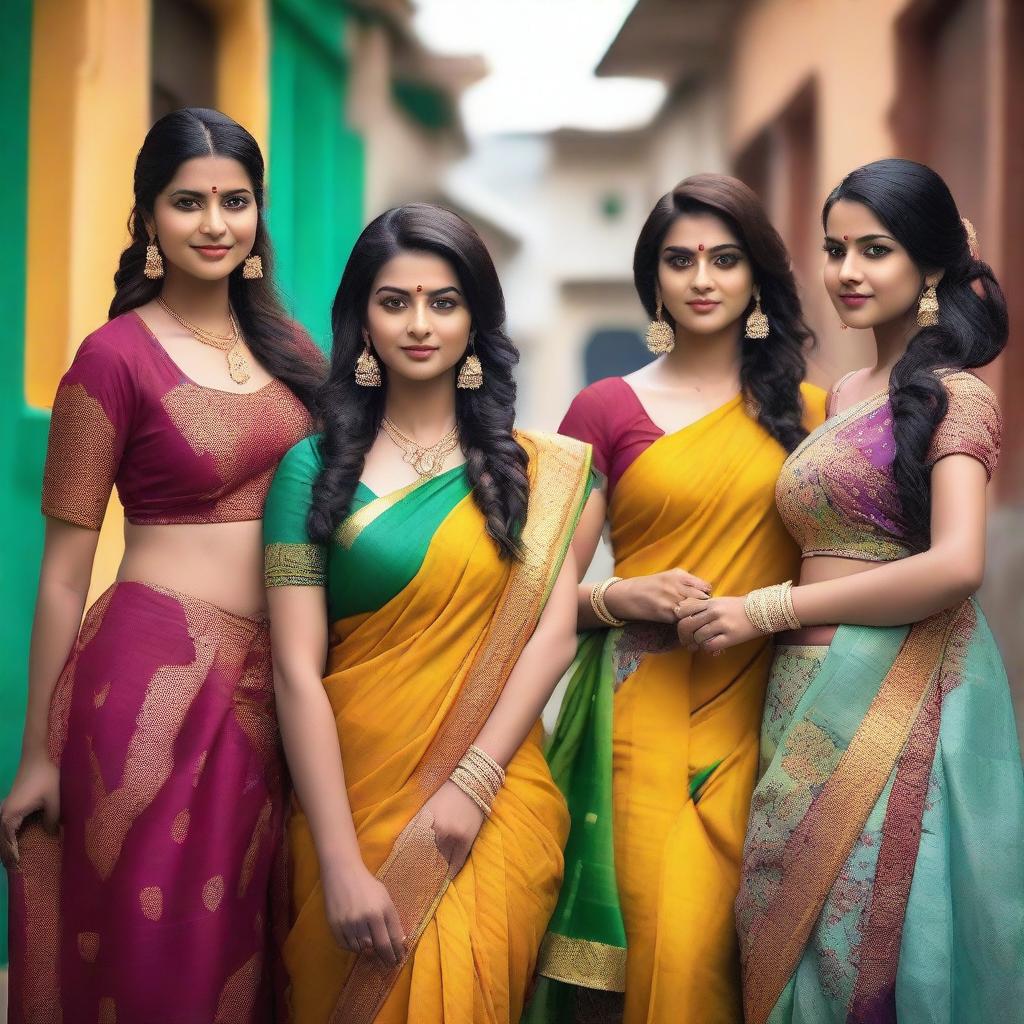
x: 846, y: 238
x: 419, y: 287
x: 213, y: 189
x: 700, y: 248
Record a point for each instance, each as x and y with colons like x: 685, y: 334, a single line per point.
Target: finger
x: 346, y: 938
x: 395, y: 932
x: 705, y: 633
x: 695, y: 581
x: 10, y: 835
x: 695, y: 594
x: 382, y: 942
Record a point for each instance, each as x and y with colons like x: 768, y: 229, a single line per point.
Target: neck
x: 891, y: 342
x: 705, y: 358
x: 423, y: 409
x: 204, y: 303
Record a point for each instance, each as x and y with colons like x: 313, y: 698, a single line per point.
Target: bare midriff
x: 821, y: 569
x: 221, y: 563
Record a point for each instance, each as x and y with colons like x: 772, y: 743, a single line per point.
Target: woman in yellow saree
x: 656, y: 746
x: 437, y: 582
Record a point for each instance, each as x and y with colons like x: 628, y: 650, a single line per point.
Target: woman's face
x: 868, y: 275
x: 205, y: 219
x: 417, y: 317
x: 704, y: 276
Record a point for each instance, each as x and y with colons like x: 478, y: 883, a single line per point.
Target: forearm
x: 58, y: 617
x: 314, y: 761
x: 529, y: 687
x: 893, y: 594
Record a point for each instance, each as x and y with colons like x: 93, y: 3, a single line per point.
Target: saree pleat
x: 884, y: 867
x: 171, y: 808
x: 410, y: 685
x: 683, y: 739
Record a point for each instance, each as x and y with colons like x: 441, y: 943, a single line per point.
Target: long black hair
x: 495, y: 461
x: 771, y: 370
x: 273, y: 338
x: 918, y: 210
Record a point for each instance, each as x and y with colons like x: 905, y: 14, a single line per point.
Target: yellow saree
x: 684, y: 731
x: 411, y: 683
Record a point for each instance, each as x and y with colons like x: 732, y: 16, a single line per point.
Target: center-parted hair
x: 771, y: 370
x: 918, y: 210
x: 495, y: 462
x: 270, y: 334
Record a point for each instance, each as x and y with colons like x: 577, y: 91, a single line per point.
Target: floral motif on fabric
x: 635, y: 642
x: 792, y: 672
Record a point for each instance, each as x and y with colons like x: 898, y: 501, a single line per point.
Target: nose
x: 419, y: 324
x: 213, y: 222
x: 702, y: 281
x: 849, y: 271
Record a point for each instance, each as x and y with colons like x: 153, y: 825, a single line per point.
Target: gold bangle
x: 471, y: 793
x: 482, y: 755
x: 770, y: 609
x: 597, y: 602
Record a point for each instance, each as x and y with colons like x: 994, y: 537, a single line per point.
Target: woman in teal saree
x: 883, y: 869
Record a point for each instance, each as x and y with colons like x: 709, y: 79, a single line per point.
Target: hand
x: 714, y: 624
x: 457, y: 821
x: 654, y: 598
x: 36, y: 787
x: 361, y: 913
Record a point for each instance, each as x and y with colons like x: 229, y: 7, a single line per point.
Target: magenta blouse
x: 125, y: 414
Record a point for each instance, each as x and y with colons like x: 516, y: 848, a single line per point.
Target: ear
x: 150, y: 225
x: 932, y: 280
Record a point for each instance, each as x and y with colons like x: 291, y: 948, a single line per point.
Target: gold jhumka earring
x: 252, y: 269
x: 368, y: 369
x: 928, y: 308
x: 660, y: 339
x: 757, y: 323
x: 471, y: 373
x: 154, y: 268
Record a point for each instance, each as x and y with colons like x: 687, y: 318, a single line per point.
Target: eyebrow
x: 402, y: 291
x: 863, y: 238
x: 681, y: 250
x: 193, y: 194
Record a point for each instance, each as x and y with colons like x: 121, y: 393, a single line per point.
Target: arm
x: 68, y: 553
x: 359, y: 909
x: 650, y: 598
x: 894, y: 593
x: 544, y: 659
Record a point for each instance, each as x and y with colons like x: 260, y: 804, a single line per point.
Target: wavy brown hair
x: 771, y: 370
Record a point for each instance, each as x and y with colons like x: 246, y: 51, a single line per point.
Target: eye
x: 834, y: 252
x: 874, y: 252
x: 445, y: 304
x: 727, y: 260
x: 680, y: 262
x: 186, y: 204
x: 236, y: 203
x: 393, y: 302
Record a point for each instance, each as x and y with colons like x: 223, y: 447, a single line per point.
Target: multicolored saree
x: 883, y: 872
x: 655, y: 747
x: 427, y: 624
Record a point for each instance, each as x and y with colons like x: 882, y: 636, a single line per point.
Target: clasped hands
x: 703, y: 623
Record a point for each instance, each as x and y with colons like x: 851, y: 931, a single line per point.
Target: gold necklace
x: 426, y: 460
x: 231, y: 344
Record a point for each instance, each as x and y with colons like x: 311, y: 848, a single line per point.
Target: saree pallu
x: 157, y: 901
x: 411, y: 683
x: 883, y: 873
x: 656, y: 748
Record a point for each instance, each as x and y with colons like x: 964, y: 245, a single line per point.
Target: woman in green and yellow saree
x: 422, y: 609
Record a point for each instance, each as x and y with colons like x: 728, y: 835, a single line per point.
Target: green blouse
x: 375, y: 552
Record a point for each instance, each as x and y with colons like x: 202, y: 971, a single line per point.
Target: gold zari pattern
x: 584, y: 962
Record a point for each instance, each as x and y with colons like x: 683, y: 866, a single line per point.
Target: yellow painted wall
x: 89, y: 111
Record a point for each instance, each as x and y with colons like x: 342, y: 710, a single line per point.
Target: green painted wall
x: 22, y: 430
x: 316, y: 162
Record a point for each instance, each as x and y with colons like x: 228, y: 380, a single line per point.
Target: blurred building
x: 352, y: 115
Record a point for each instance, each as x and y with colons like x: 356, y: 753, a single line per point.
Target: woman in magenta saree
x: 151, y: 730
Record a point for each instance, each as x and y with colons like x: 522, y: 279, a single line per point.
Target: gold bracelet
x: 597, y: 602
x: 481, y: 755
x: 471, y: 793
x: 770, y: 609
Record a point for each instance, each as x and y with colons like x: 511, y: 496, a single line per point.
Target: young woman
x: 150, y: 734
x: 419, y: 547
x: 656, y: 746
x: 883, y: 873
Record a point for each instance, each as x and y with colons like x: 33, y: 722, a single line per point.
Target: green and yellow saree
x: 427, y: 622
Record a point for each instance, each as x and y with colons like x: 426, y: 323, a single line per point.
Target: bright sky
x: 542, y: 54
